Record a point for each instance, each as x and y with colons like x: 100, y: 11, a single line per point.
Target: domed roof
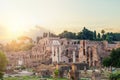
x: 55, y: 43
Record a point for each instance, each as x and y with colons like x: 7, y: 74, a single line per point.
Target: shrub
x: 115, y: 76
x: 1, y: 75
x: 3, y: 64
x: 56, y: 73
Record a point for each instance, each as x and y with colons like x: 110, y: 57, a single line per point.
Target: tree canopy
x: 3, y: 64
x: 69, y: 35
x: 113, y: 59
x: 87, y: 34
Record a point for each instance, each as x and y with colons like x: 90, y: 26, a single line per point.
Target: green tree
x: 116, y: 36
x: 103, y: 34
x: 98, y: 36
x: 115, y: 57
x: 108, y: 38
x: 94, y: 35
x: 102, y: 31
x: 56, y: 74
x: 107, y: 62
x: 115, y: 76
x: 85, y: 34
x: 113, y: 60
x: 68, y: 35
x: 111, y: 37
x: 3, y: 64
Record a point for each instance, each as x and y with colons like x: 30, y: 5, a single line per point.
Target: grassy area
x: 22, y: 78
x: 29, y: 78
x: 56, y: 79
x: 32, y: 78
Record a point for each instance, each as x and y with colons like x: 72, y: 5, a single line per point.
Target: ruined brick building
x: 93, y: 52
x: 16, y: 59
x: 55, y: 50
x: 47, y: 51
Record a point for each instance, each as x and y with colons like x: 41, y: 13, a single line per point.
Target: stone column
x: 74, y: 72
x: 74, y: 57
x: 85, y: 70
x: 52, y: 54
x: 60, y: 54
x: 57, y: 54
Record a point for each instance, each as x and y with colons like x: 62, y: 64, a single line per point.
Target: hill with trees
x: 87, y: 34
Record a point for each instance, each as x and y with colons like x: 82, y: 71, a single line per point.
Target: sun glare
x: 15, y: 32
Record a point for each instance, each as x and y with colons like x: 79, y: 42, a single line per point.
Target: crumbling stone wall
x: 92, y: 52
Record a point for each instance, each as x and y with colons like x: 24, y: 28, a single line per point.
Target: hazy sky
x: 17, y: 16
